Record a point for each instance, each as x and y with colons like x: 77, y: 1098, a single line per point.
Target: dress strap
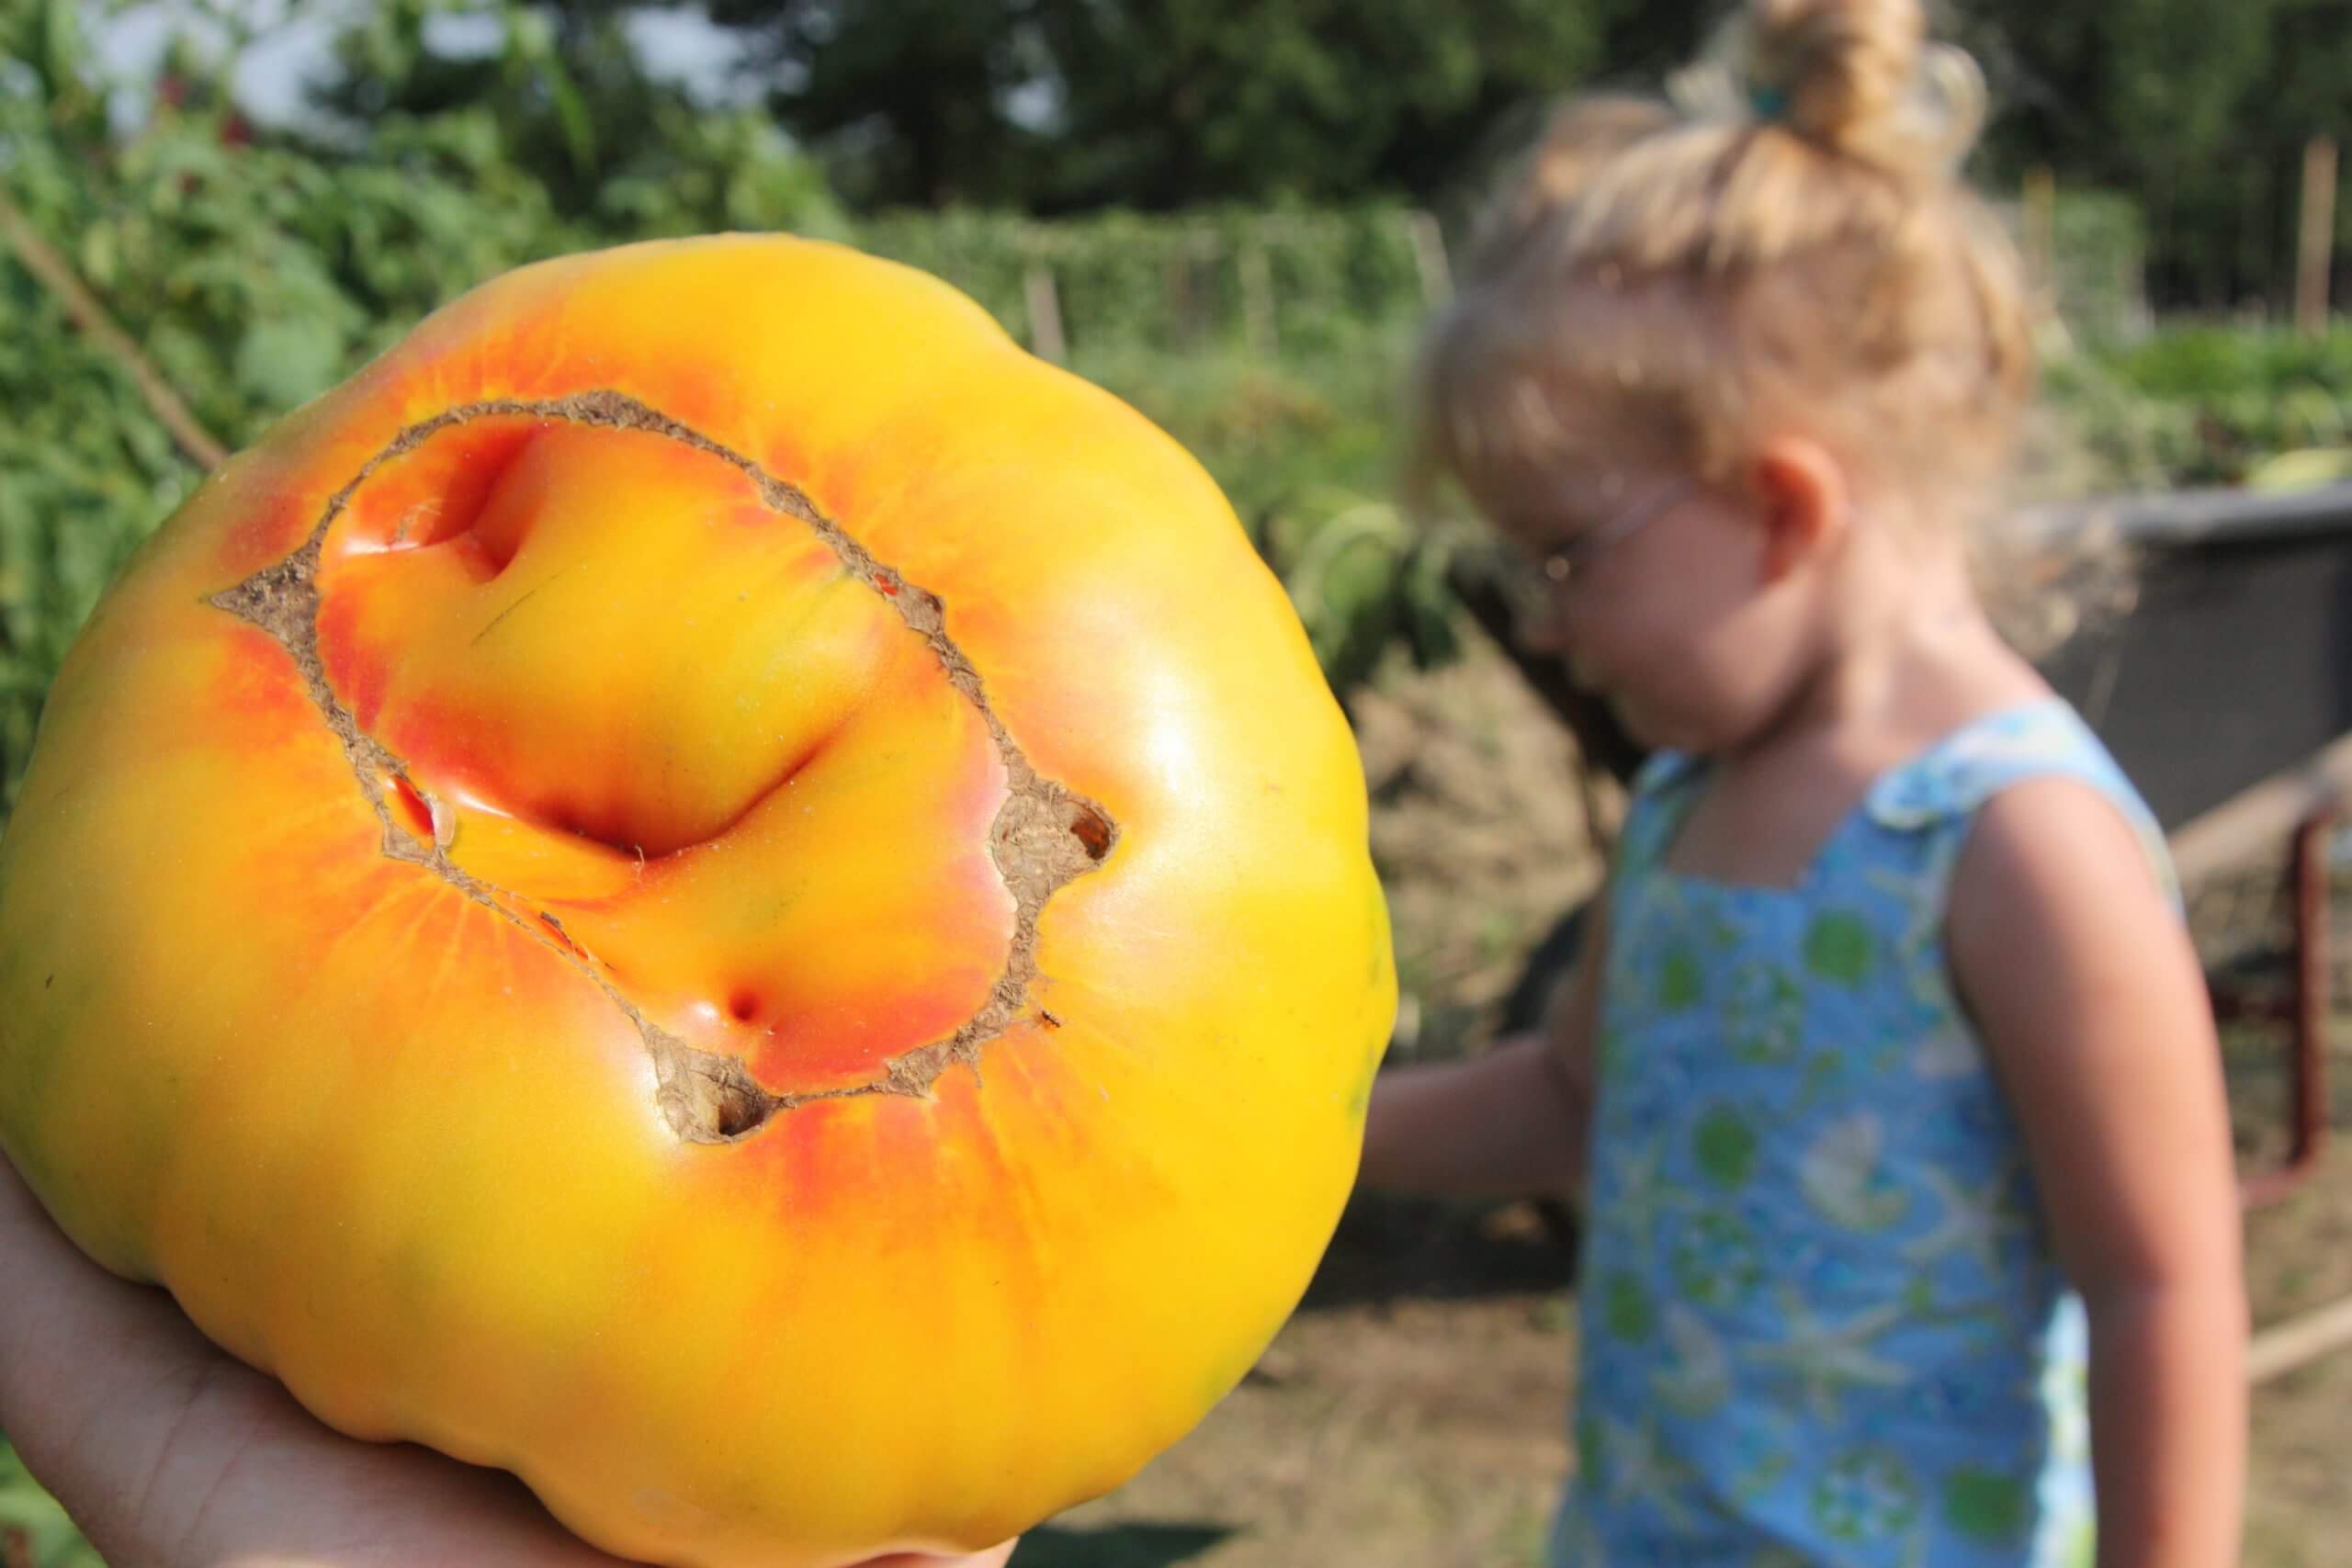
x: 1658, y: 796
x: 1949, y: 783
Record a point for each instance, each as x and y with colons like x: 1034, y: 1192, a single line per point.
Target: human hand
x: 169, y: 1452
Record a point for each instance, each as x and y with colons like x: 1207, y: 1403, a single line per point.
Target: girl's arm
x: 1509, y: 1123
x: 2092, y: 1007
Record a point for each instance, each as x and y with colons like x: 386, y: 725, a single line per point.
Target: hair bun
x: 1861, y: 77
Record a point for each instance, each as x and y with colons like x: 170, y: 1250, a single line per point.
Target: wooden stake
x: 1044, y: 306
x: 1429, y: 257
x: 1182, y: 295
x: 83, y: 308
x: 1258, y: 300
x: 2316, y: 257
x: 2040, y: 229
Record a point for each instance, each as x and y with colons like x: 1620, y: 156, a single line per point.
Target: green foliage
x: 32, y: 1523
x: 2202, y: 361
x: 1305, y: 449
x: 2099, y: 254
x: 2200, y: 112
x: 2211, y: 405
x: 258, y: 272
x: 1303, y: 282
x: 563, y: 107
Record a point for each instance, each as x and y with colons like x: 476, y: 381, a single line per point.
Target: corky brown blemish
x: 1044, y: 834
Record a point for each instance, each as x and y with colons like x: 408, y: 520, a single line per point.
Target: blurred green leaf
x: 48, y: 1537
x: 284, y: 362
x: 2310, y: 468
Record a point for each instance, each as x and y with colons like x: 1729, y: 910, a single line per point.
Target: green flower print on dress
x: 1865, y: 1496
x: 1716, y: 1261
x: 1724, y: 1145
x: 1681, y: 980
x: 1986, y: 1507
x: 1626, y: 1308
x: 1838, y: 949
x: 1764, y: 1013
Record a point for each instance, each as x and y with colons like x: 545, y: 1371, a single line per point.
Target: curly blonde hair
x: 1781, y: 242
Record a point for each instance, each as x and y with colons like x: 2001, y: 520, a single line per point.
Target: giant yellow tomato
x: 710, y: 885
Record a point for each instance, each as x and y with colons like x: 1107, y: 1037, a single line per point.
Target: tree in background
x: 1057, y: 105
x: 2199, y: 112
x: 566, y: 98
x: 2171, y: 100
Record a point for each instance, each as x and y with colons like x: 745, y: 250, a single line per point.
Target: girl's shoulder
x: 1950, y: 783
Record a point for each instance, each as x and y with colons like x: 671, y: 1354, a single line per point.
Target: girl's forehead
x: 1570, y: 485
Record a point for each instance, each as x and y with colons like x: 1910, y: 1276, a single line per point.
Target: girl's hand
x: 169, y: 1452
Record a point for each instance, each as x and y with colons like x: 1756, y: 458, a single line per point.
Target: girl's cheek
x: 1547, y: 633
x: 1613, y: 643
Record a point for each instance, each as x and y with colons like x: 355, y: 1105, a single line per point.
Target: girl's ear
x: 1804, y: 501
